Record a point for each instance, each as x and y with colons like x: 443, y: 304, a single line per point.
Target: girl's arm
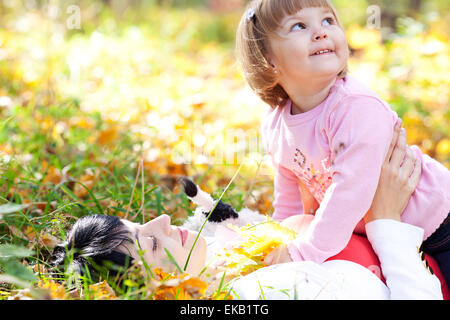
x: 359, y: 129
x: 287, y: 198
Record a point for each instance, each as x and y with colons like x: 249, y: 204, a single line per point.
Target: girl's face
x: 302, y: 35
x: 158, y: 234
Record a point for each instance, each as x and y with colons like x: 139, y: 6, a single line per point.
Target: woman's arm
x: 397, y: 247
x: 400, y: 175
x: 395, y: 243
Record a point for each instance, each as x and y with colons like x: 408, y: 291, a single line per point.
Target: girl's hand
x: 298, y: 223
x: 397, y: 180
x: 279, y: 255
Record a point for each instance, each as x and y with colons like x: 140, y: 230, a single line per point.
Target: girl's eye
x: 298, y: 24
x: 330, y: 20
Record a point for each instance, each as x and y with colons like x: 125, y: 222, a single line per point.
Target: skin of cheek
x: 159, y: 259
x: 198, y: 257
x: 282, y: 50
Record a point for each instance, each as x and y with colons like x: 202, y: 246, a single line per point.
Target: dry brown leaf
x: 88, y: 179
x: 107, y: 136
x: 29, y: 233
x: 17, y: 232
x: 102, y: 291
x: 53, y: 175
x: 47, y: 240
x: 56, y: 291
x: 182, y: 287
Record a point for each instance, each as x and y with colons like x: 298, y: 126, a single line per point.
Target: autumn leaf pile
x: 256, y: 242
x: 102, y: 120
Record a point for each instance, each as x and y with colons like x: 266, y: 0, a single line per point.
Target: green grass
x: 23, y: 187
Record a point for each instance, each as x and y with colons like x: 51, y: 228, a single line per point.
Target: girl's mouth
x: 323, y: 53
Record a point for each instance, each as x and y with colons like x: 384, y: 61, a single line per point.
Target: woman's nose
x: 162, y: 222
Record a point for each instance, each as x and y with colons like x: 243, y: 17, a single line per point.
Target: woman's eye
x: 155, y: 243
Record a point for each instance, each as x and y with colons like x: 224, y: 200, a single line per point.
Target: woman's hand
x: 400, y: 175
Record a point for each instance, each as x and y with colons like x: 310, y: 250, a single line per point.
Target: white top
x: 396, y: 245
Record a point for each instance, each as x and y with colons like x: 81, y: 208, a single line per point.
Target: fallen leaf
x: 53, y: 175
x: 47, y: 240
x: 55, y: 290
x: 107, y: 136
x: 169, y: 286
x: 88, y: 179
x: 102, y: 291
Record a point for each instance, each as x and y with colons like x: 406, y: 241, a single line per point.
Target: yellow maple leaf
x: 102, y: 291
x: 107, y: 136
x: 171, y: 286
x: 257, y: 242
x: 55, y: 290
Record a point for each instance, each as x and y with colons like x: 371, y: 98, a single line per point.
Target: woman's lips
x: 183, y: 235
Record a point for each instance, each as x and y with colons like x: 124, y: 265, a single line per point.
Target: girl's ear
x: 267, y: 53
x: 270, y: 60
x: 275, y: 70
x: 271, y: 63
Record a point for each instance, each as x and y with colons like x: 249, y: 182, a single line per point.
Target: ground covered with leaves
x: 103, y: 119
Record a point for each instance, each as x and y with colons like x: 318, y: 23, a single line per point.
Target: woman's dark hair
x: 93, y: 244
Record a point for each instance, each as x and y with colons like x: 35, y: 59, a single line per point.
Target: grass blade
x: 201, y: 228
x: 172, y: 259
x: 220, y: 285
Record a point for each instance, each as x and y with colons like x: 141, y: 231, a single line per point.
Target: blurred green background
x: 90, y: 90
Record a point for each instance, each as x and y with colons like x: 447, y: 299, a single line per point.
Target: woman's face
x: 302, y: 35
x: 158, y: 234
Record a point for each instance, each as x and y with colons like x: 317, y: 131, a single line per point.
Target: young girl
x: 327, y: 133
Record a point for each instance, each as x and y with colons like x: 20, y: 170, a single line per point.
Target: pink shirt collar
x: 311, y: 114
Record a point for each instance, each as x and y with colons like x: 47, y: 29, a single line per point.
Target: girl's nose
x: 321, y: 34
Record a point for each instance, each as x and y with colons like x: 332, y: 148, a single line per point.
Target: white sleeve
x: 397, y: 246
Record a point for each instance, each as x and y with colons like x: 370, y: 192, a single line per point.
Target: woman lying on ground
x: 96, y: 239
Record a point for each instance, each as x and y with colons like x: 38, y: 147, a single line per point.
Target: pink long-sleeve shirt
x: 337, y: 150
